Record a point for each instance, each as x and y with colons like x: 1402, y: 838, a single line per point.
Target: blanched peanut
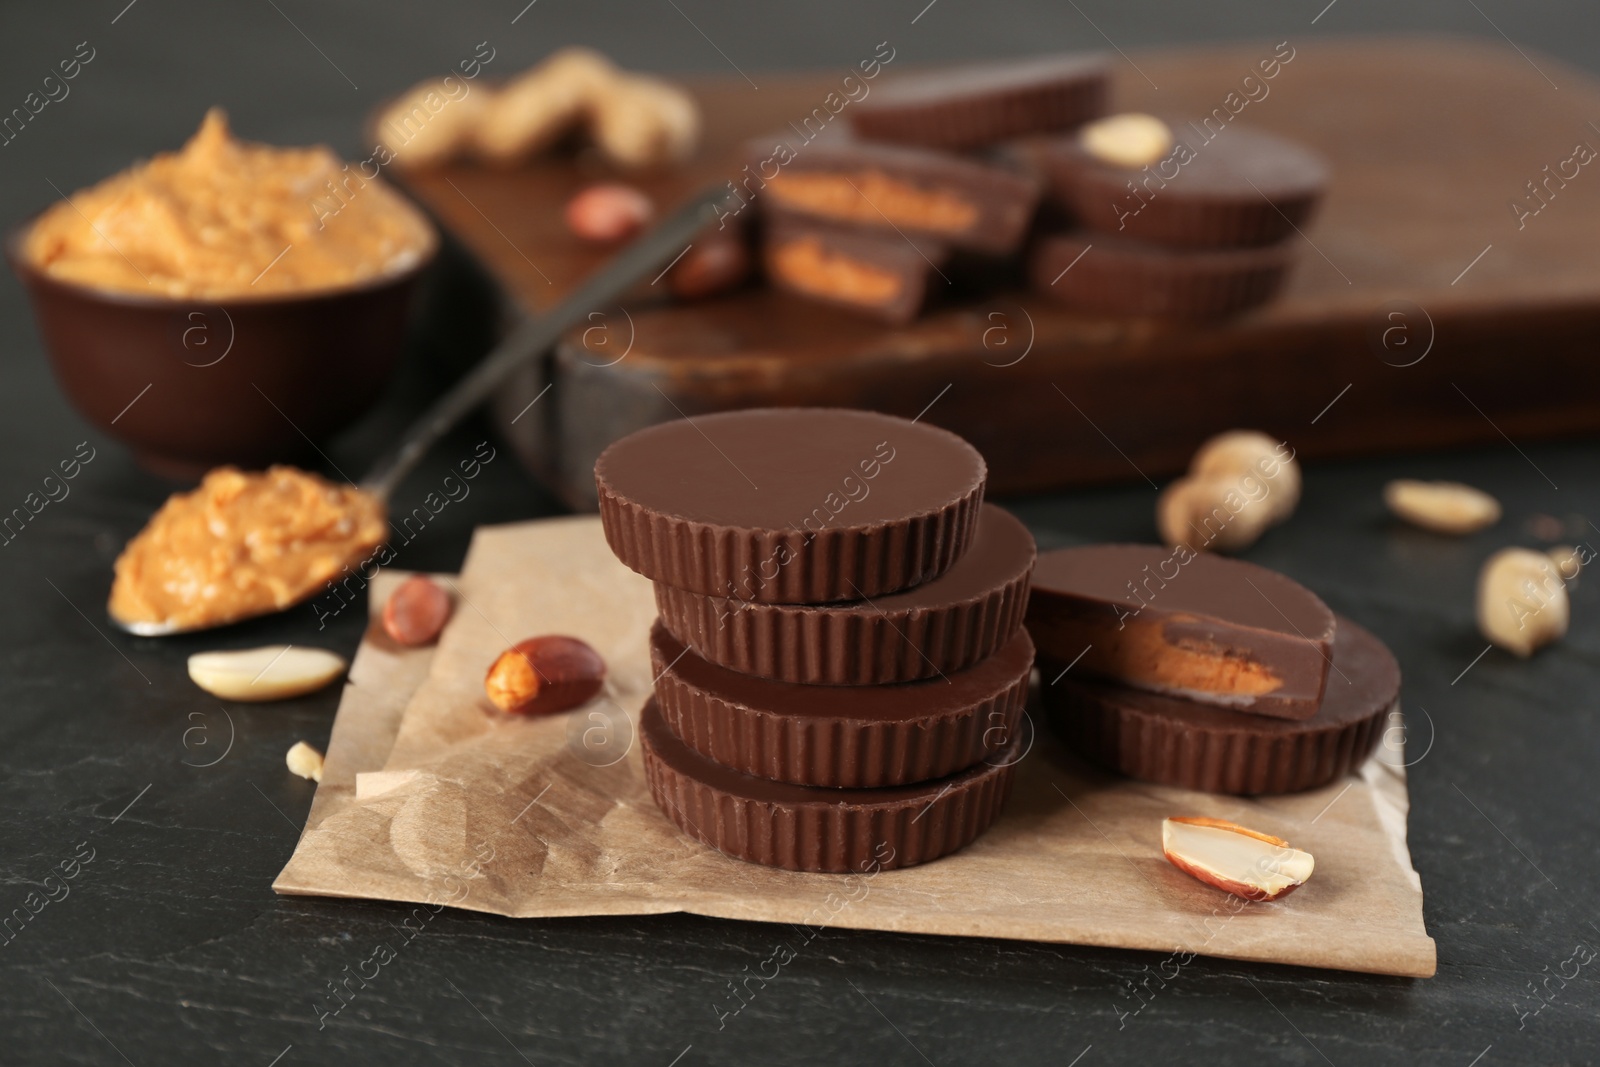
x: 1443, y: 507
x: 432, y: 122
x: 1239, y: 484
x: 1240, y: 452
x: 1569, y: 560
x: 1131, y: 140
x: 641, y: 122
x: 542, y: 105
x: 305, y: 761
x: 1522, y: 601
x: 1210, y: 516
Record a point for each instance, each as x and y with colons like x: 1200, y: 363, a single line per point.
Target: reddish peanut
x: 545, y: 674
x: 716, y: 262
x: 416, y: 611
x: 608, y: 213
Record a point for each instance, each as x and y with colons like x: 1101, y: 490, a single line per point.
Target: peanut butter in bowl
x: 223, y: 218
x: 240, y: 545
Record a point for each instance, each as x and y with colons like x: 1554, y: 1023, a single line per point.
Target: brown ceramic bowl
x: 189, y: 384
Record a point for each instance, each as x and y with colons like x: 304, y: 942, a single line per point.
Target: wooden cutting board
x: 1426, y: 310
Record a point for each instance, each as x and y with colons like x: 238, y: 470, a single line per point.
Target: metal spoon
x: 527, y: 340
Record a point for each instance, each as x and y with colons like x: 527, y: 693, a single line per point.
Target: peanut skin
x: 416, y: 612
x: 543, y: 675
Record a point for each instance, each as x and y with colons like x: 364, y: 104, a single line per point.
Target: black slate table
x: 174, y: 812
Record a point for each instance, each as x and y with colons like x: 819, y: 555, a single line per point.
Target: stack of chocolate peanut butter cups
x: 1187, y: 669
x: 840, y: 662
x: 1208, y: 229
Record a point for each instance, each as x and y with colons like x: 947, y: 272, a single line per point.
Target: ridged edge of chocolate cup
x: 1152, y: 748
x: 832, y: 751
x: 1214, y: 283
x: 824, y: 836
x: 842, y: 564
x: 1191, y: 224
x: 823, y: 646
x: 959, y: 125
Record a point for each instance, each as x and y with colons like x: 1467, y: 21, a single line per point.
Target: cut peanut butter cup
x: 1160, y: 739
x: 1189, y: 624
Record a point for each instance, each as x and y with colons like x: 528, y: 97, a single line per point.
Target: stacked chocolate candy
x: 1188, y: 669
x: 840, y: 660
x: 1192, y: 220
x: 880, y: 220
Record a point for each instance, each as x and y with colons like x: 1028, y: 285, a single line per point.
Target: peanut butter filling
x: 223, y: 218
x: 242, y: 545
x: 868, y: 197
x: 810, y: 267
x: 1141, y: 654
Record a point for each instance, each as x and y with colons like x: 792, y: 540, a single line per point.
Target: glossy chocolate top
x: 1002, y: 551
x: 930, y: 698
x: 772, y: 468
x: 1179, y: 580
x: 981, y: 79
x: 1234, y: 162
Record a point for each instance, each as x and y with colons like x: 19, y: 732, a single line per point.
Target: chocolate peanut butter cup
x: 1175, y: 742
x: 859, y: 737
x: 1189, y: 624
x: 1217, y: 188
x: 812, y: 828
x: 879, y: 274
x: 1115, y: 276
x: 967, y: 107
x: 905, y: 192
x: 790, y: 505
x: 939, y: 627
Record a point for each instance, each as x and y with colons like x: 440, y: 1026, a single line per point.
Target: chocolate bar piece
x: 790, y: 505
x: 881, y: 274
x: 1104, y: 275
x: 1189, y: 624
x: 933, y: 629
x: 812, y: 828
x: 858, y: 737
x: 905, y: 192
x: 967, y: 107
x: 1217, y: 188
x: 1160, y: 739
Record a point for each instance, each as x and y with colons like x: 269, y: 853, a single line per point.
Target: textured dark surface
x: 170, y: 948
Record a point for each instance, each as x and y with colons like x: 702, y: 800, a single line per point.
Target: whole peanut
x: 416, y: 611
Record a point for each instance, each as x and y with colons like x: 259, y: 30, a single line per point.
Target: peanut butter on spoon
x: 250, y: 544
x: 240, y: 545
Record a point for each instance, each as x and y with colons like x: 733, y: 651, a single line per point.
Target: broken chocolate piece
x: 1193, y: 625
